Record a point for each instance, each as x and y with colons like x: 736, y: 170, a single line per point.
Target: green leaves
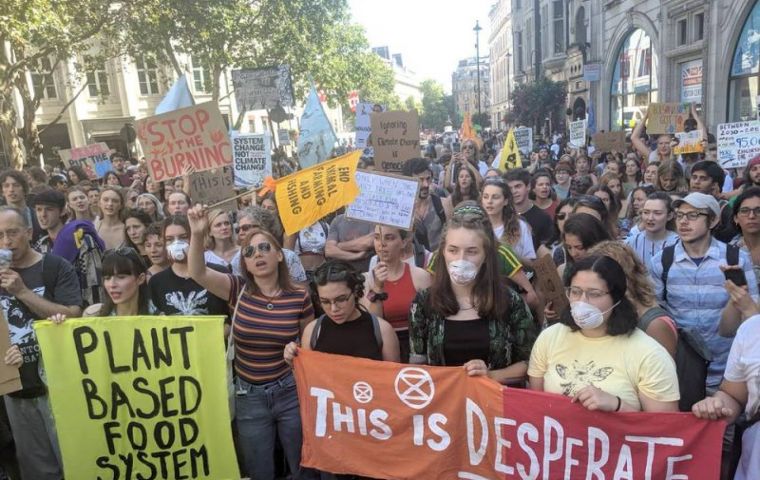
x: 533, y: 102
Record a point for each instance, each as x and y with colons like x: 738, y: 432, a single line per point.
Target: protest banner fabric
x: 252, y: 159
x: 436, y: 422
x: 578, y: 134
x: 306, y: 196
x: 524, y: 139
x: 134, y: 396
x: 738, y: 143
x: 213, y: 186
x: 610, y: 141
x: 316, y: 139
x: 10, y: 378
x: 689, y: 142
x: 195, y: 135
x: 395, y: 138
x: 262, y: 88
x: 385, y: 199
x: 667, y: 117
x: 510, y: 154
x: 94, y: 159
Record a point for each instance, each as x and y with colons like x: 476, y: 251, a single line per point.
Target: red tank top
x: 401, y: 293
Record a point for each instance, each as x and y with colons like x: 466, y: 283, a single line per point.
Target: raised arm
x: 637, y: 142
x: 215, y: 282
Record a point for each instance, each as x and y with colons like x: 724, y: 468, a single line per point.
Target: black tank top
x: 465, y: 340
x: 355, y: 338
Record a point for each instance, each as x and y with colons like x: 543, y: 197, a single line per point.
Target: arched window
x: 580, y: 27
x: 634, y: 81
x: 745, y: 71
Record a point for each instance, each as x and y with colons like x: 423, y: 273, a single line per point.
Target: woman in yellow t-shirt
x: 596, y: 354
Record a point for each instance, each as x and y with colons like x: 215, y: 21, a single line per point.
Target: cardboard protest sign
x: 134, y: 396
x: 524, y: 139
x: 252, y: 159
x: 436, y: 422
x: 262, y: 88
x: 363, y: 123
x: 10, y: 379
x: 689, y: 142
x: 195, y: 135
x: 94, y: 159
x: 738, y: 143
x: 550, y: 284
x: 667, y: 117
x: 306, y: 196
x: 385, y: 199
x: 213, y: 186
x: 510, y: 154
x: 317, y: 138
x: 578, y: 134
x: 610, y: 141
x: 395, y: 138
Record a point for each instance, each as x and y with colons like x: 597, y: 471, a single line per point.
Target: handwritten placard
x: 94, y: 159
x: 689, y: 142
x: 667, y: 117
x: 738, y: 143
x: 213, y: 186
x: 524, y: 139
x: 252, y: 159
x: 396, y: 139
x: 610, y: 141
x: 385, y: 199
x: 578, y: 134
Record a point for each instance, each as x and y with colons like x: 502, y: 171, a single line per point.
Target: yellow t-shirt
x: 623, y: 365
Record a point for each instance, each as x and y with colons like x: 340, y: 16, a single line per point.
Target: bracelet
x: 620, y: 404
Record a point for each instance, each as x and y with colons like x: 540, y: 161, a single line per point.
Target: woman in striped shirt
x: 269, y: 314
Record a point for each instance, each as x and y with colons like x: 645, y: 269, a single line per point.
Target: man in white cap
x: 689, y: 280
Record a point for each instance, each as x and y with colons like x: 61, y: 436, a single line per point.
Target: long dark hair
x: 509, y: 215
x: 458, y: 195
x: 140, y: 215
x: 125, y: 261
x: 283, y: 274
x: 623, y: 319
x: 488, y: 292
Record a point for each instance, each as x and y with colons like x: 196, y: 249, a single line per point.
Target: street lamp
x: 477, y: 30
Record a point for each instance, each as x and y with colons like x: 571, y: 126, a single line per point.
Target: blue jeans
x: 259, y: 410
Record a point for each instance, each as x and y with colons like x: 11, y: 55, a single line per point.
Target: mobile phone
x: 736, y: 276
x: 457, y: 147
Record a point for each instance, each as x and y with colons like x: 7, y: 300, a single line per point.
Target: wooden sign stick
x: 240, y: 195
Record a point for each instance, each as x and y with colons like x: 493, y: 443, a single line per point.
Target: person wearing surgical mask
x: 596, y: 354
x: 469, y: 317
x: 172, y: 290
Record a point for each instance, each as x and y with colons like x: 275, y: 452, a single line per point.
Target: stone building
x: 464, y: 86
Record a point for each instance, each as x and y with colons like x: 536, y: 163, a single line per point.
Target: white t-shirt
x: 312, y: 239
x: 524, y: 247
x: 743, y: 364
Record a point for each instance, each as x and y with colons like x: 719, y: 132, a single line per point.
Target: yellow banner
x: 308, y: 195
x: 140, y: 397
x: 510, y: 154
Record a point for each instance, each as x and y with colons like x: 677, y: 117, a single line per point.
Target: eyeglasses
x: 575, y: 293
x: 263, y: 247
x: 691, y: 216
x: 745, y: 211
x: 245, y: 228
x: 339, y: 302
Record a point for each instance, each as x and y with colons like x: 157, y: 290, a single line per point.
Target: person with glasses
x: 469, y: 317
x: 658, y: 216
x: 747, y: 218
x: 269, y: 313
x: 596, y: 354
x: 468, y: 158
x: 563, y: 175
x: 693, y: 290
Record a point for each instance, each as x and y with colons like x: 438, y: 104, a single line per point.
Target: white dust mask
x: 462, y: 272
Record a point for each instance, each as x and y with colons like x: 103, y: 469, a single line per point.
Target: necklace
x: 270, y: 305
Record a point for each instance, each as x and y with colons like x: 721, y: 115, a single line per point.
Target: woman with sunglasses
x: 596, y: 354
x: 268, y: 314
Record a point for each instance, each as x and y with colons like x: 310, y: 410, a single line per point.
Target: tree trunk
x: 30, y: 134
x: 216, y: 87
x: 9, y: 135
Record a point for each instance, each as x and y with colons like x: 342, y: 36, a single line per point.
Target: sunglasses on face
x: 263, y: 247
x: 244, y: 228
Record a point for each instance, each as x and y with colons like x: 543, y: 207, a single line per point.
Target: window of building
x: 682, y: 32
x: 744, y: 79
x: 97, y: 82
x: 201, y: 77
x: 43, y: 81
x: 699, y: 26
x: 518, y: 4
x: 558, y: 23
x: 147, y: 75
x: 580, y: 27
x: 634, y: 81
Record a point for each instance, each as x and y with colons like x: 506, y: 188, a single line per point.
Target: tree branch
x: 65, y: 107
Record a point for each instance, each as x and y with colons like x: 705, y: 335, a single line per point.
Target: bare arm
x: 376, y: 307
x: 512, y: 374
x: 727, y: 403
x: 636, y: 141
x: 43, y: 307
x: 215, y: 282
x: 739, y: 307
x: 363, y: 244
x: 536, y: 383
x: 290, y: 241
x: 650, y: 405
x: 334, y: 251
x: 700, y: 124
x: 391, y: 349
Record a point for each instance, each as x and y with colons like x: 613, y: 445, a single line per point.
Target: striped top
x: 646, y: 248
x: 261, y: 335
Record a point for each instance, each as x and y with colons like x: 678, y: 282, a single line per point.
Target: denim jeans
x: 260, y: 409
x: 34, y: 432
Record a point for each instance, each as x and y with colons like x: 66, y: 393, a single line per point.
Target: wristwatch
x: 373, y: 296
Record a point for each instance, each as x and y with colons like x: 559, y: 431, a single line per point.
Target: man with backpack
x: 429, y: 209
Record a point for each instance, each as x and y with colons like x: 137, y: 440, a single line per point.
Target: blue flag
x: 177, y: 97
x: 317, y: 139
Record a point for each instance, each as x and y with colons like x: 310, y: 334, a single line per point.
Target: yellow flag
x: 132, y: 396
x: 510, y: 154
x: 308, y: 195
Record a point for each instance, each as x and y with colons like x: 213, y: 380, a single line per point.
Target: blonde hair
x: 209, y: 241
x: 640, y: 287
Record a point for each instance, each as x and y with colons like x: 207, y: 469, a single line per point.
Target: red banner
x: 387, y: 420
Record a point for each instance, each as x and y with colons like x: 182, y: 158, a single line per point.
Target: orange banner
x: 388, y: 420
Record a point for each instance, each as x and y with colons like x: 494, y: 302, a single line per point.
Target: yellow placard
x: 134, y: 397
x: 308, y: 195
x: 510, y: 154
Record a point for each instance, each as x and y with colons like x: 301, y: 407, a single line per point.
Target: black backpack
x: 692, y: 354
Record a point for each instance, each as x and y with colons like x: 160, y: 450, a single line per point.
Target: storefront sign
x: 691, y: 82
x: 592, y: 72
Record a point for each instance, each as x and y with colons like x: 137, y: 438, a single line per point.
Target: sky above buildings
x: 431, y: 35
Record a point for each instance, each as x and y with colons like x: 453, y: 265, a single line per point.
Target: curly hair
x: 338, y: 271
x: 640, y: 287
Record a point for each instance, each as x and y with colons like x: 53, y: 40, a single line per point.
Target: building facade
x: 500, y: 50
x: 464, y: 86
x: 406, y: 82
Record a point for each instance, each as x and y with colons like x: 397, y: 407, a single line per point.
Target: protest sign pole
x: 239, y: 195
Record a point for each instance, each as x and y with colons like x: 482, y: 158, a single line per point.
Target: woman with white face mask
x: 596, y: 354
x: 468, y: 317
